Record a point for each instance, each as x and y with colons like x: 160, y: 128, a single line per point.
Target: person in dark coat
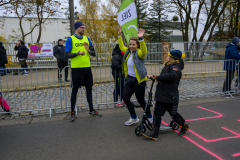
x: 117, y: 58
x: 16, y: 49
x: 59, y: 53
x: 3, y: 59
x: 22, y: 57
x: 231, y: 59
x: 167, y: 94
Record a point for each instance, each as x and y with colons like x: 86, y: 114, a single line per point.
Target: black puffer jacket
x: 168, y: 82
x: 117, y: 62
x: 59, y: 53
x: 21, y: 51
x: 3, y: 55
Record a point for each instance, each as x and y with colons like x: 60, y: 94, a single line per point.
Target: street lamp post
x: 71, y: 10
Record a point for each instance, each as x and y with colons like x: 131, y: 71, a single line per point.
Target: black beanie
x: 78, y: 24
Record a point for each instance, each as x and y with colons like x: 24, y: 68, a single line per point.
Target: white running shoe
x: 131, y: 121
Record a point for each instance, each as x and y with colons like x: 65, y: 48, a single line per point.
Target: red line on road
x: 198, y: 145
x: 236, y: 154
x: 206, y: 150
x: 219, y: 115
x: 230, y: 131
x: 214, y: 140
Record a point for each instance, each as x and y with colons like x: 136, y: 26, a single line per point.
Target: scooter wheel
x: 139, y: 130
x: 175, y: 126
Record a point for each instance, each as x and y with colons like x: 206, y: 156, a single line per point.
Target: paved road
x: 216, y: 135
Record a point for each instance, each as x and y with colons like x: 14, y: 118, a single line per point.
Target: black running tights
x: 139, y: 90
x: 89, y: 97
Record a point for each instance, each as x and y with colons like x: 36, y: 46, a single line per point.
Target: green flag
x: 127, y: 19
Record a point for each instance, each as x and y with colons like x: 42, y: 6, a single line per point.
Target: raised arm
x: 143, y: 48
x: 120, y: 41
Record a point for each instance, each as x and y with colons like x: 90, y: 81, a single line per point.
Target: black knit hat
x: 235, y: 41
x: 78, y: 24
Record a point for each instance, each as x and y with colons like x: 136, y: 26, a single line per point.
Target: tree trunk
x: 197, y: 48
x: 40, y: 23
x: 20, y: 24
x: 237, y: 16
x: 203, y: 50
x: 40, y: 32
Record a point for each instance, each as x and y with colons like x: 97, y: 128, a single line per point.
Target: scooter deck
x: 162, y: 128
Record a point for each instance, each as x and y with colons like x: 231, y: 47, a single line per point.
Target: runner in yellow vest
x: 79, y: 48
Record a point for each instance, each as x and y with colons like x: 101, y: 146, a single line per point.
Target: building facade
x: 52, y: 29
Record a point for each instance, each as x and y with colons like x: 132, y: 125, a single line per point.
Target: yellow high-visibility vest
x: 80, y: 61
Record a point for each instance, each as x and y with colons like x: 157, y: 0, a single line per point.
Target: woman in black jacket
x: 167, y: 95
x: 116, y: 66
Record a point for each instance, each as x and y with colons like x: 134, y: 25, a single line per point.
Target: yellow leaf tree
x: 100, y: 21
x: 101, y: 26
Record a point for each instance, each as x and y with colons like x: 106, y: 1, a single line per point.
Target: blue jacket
x: 231, y: 54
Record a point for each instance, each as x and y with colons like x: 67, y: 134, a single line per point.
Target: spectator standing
x: 116, y: 66
x: 22, y: 57
x: 231, y: 59
x: 3, y: 59
x: 59, y: 53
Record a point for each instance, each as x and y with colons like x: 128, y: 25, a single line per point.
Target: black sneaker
x: 184, y: 129
x: 8, y: 112
x: 66, y: 80
x: 152, y: 135
x: 72, y: 118
x: 95, y: 113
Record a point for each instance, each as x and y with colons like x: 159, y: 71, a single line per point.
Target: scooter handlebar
x: 153, y: 78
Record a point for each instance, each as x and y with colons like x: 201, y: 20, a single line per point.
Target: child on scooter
x: 167, y: 95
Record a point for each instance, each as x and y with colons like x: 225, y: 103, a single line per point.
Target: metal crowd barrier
x: 194, y: 51
x: 40, y: 92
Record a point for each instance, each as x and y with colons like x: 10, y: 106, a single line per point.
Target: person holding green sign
x: 135, y: 73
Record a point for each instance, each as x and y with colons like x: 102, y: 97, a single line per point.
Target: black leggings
x: 89, y: 97
x: 161, y: 108
x: 228, y: 80
x: 139, y: 90
x: 61, y: 65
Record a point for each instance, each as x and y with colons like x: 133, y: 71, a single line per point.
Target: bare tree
x: 6, y: 2
x: 21, y: 10
x: 44, y: 10
x: 212, y: 9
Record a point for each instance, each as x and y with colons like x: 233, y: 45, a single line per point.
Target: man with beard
x: 79, y: 48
